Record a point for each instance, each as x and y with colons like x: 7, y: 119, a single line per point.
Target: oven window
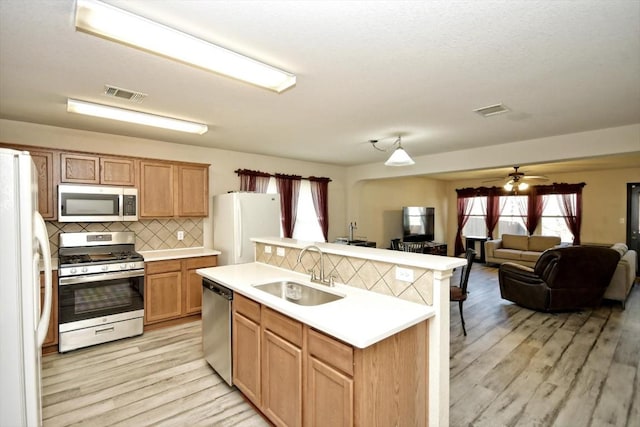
x: 96, y: 299
x: 102, y: 297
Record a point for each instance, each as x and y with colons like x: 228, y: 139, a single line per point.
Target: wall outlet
x: 267, y: 249
x: 404, y: 274
x: 180, y: 235
x: 280, y: 251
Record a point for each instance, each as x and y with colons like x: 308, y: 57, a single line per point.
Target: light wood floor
x: 516, y: 367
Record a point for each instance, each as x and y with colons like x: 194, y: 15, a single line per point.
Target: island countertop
x: 361, y: 318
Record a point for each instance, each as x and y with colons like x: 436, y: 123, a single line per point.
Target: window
x: 513, y: 210
x: 476, y: 225
x: 307, y: 226
x: 553, y: 220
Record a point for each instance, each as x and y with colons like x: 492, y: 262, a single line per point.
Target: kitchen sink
x: 298, y: 293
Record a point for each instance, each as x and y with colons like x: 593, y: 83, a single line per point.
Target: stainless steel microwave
x: 89, y: 203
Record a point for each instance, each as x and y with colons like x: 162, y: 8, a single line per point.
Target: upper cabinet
x: 47, y: 172
x: 156, y: 189
x: 173, y: 190
x: 87, y: 169
x: 116, y: 171
x: 193, y: 190
x: 166, y: 189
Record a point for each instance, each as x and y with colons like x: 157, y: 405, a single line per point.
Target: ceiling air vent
x: 129, y: 95
x: 491, y: 110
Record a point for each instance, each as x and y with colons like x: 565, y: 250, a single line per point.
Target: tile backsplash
x: 151, y: 234
x: 358, y: 272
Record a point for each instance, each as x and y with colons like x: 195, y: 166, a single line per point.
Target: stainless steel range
x: 100, y: 288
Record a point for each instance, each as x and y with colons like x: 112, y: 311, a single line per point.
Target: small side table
x: 471, y: 242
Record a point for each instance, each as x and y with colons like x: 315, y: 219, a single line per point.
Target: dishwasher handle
x: 217, y: 289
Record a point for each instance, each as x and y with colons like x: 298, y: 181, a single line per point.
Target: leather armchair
x: 568, y: 278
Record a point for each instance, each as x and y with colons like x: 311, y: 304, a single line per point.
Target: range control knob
x: 123, y: 266
x: 132, y: 265
x: 85, y: 269
x: 73, y: 270
x: 105, y: 267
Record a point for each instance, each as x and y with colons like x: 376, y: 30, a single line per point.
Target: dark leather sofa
x: 567, y: 278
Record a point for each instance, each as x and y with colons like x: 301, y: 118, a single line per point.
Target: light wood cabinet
x: 193, y: 191
x: 281, y: 368
x: 117, y: 171
x: 51, y: 340
x: 246, y: 348
x: 173, y: 289
x: 309, y: 378
x: 329, y: 393
x: 168, y: 190
x: 193, y: 287
x: 162, y: 291
x: 47, y: 182
x: 78, y: 168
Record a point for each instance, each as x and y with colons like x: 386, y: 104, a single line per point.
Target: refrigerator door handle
x: 238, y: 229
x: 40, y: 234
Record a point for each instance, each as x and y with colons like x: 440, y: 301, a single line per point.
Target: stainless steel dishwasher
x: 216, y: 327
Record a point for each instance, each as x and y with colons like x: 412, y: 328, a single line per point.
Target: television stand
x: 435, y: 248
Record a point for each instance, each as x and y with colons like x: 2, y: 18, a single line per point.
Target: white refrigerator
x: 23, y: 244
x: 237, y: 217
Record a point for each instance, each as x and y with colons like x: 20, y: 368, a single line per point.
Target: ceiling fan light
x: 523, y: 186
x: 508, y: 186
x: 399, y: 157
x: 100, y: 19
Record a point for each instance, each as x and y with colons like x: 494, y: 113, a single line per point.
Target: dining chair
x: 411, y: 246
x: 459, y: 293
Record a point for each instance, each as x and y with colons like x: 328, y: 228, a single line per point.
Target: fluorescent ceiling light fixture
x: 399, y: 157
x: 100, y: 19
x: 132, y: 116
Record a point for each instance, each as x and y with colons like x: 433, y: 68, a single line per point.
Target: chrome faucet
x: 321, y: 278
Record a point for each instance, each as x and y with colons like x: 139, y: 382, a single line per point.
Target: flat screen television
x: 418, y: 223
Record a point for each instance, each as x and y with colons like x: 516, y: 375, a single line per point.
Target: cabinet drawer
x: 248, y: 308
x: 283, y: 326
x: 201, y: 262
x: 331, y: 351
x: 156, y: 267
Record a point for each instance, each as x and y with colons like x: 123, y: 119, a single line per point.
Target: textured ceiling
x: 365, y: 70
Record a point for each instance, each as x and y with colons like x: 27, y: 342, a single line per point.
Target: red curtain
x: 464, y: 210
x: 534, y: 211
x: 319, y: 193
x: 289, y: 189
x: 253, y: 180
x: 493, y: 212
x: 572, y: 209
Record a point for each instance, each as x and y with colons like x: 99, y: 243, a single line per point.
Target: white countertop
x: 164, y: 254
x: 361, y: 319
x: 431, y: 262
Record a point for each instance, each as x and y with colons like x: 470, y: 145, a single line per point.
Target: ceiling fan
x: 517, y: 180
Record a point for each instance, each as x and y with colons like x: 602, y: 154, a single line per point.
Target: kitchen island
x: 365, y: 321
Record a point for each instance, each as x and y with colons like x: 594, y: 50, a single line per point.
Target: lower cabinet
x: 172, y: 289
x: 329, y: 397
x: 51, y: 340
x: 299, y: 376
x: 246, y: 348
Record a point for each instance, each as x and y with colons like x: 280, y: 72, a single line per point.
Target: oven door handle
x: 62, y: 281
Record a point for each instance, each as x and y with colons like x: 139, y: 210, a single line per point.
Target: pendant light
x: 399, y: 157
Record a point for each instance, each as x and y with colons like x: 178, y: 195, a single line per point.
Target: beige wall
x: 223, y: 162
x: 604, y: 202
x: 380, y: 203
